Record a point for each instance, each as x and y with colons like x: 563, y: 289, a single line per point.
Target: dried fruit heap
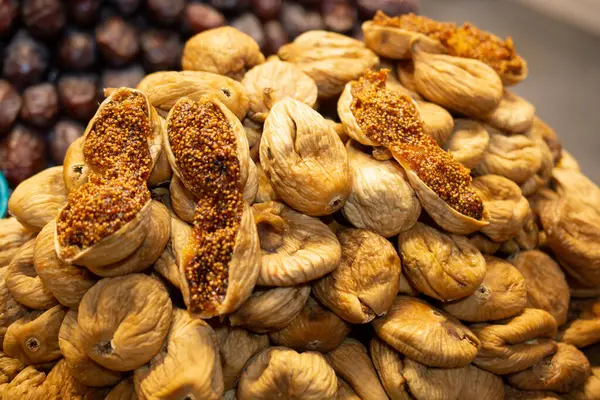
x: 393, y: 120
x: 205, y: 146
x: 466, y: 41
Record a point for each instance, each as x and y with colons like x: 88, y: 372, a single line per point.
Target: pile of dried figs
x: 343, y: 220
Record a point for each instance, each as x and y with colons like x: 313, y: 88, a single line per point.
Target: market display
x: 341, y: 220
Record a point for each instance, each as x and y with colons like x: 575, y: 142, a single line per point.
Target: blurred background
x: 58, y: 54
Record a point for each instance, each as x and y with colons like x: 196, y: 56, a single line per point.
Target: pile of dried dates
x: 345, y: 220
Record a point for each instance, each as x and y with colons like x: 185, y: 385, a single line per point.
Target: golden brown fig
x: 579, y: 290
x: 406, y: 75
x: 188, y: 366
x: 345, y: 391
x: 304, y: 159
x: 270, y: 309
x: 254, y: 132
x: 237, y: 346
x: 351, y: 362
x: 540, y: 130
x: 510, y: 393
x: 9, y: 368
x: 528, y: 237
x: 75, y: 169
x: 514, y: 114
x: 67, y: 283
x: 468, y: 142
x: 81, y: 366
x: 182, y: 200
x: 224, y: 51
x: 437, y: 122
x: 381, y: 199
x: 393, y: 82
x: 165, y: 88
x: 330, y: 59
x: 561, y: 372
x: 366, y: 282
x: 426, y: 334
x: 517, y: 343
x: 569, y: 182
x: 567, y: 161
x: 505, y: 204
x: 24, y: 284
x: 545, y: 282
x: 389, y: 365
x: 265, y: 191
x: 544, y: 172
x: 295, y: 248
x: 12, y: 236
x: 10, y: 309
x: 515, y: 157
x: 273, y: 81
x: 502, y: 294
x: 590, y: 389
x: 37, y: 200
x: 278, y: 372
x: 339, y: 128
x: 406, y: 287
x: 445, y: 267
x: 582, y: 328
x: 122, y: 322
x: 314, y: 328
x: 484, y: 243
x: 33, y: 339
x: 123, y: 391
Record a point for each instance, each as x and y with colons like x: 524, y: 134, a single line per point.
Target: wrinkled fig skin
x: 123, y: 321
x: 188, y: 366
x: 515, y: 157
x: 330, y: 59
x: 33, y: 339
x: 426, y: 334
x: 582, y: 328
x: 517, y: 343
x: 125, y: 390
x: 166, y: 87
x: 37, y: 200
x: 67, y: 283
x: 271, y: 309
x: 352, y: 363
x: 12, y: 236
x: 295, y: 248
x: 510, y: 393
x: 236, y: 347
x: 314, y: 329
x: 544, y: 172
x: 393, y: 82
x: 81, y: 366
x: 437, y: 122
x: 24, y: 284
x: 304, y: 159
x: 502, y: 294
x: 366, y: 281
x: 381, y: 199
x: 395, y: 43
x: 467, y: 86
x: 529, y: 237
x: 9, y: 368
x: 389, y: 365
x: 567, y: 161
x: 225, y: 51
x: 590, y: 389
x: 273, y: 81
x: 75, y: 169
x: 514, y: 114
x: 10, y: 309
x: 182, y: 200
x: 484, y: 244
x: 445, y: 267
x: 540, y: 130
x: 468, y: 142
x: 506, y: 207
x: 561, y: 372
x: 466, y: 383
x: 278, y: 373
x: 345, y: 391
x: 545, y: 282
x: 265, y: 191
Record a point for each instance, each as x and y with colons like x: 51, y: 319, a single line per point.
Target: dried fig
x: 528, y: 237
x: 83, y: 368
x: 182, y: 200
x: 270, y: 309
x: 165, y: 88
x: 567, y: 161
x: 426, y: 334
x: 273, y: 81
x: 389, y: 365
x: 123, y: 391
x: 9, y: 368
x: 75, y: 169
x: 37, y: 200
x: 406, y: 75
x: 590, y: 389
x: 237, y: 346
x: 393, y: 82
x: 122, y: 322
x: 445, y: 267
x: 511, y: 393
x: 366, y: 281
x: 515, y: 157
x: 545, y: 282
x: 437, y: 122
x: 541, y: 130
x: 265, y: 190
x: 224, y: 51
x: 278, y: 372
x: 12, y: 236
x: 314, y: 328
x: 584, y: 319
x: 24, y: 284
x: 468, y: 142
x: 33, y: 339
x: 208, y: 150
x: 544, y: 172
x: 514, y: 344
x: 514, y: 114
x: 295, y: 248
x: 502, y: 294
x: 507, y: 208
x: 10, y: 309
x: 345, y: 391
x: 330, y: 59
x: 188, y: 366
x: 484, y: 244
x: 304, y: 159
